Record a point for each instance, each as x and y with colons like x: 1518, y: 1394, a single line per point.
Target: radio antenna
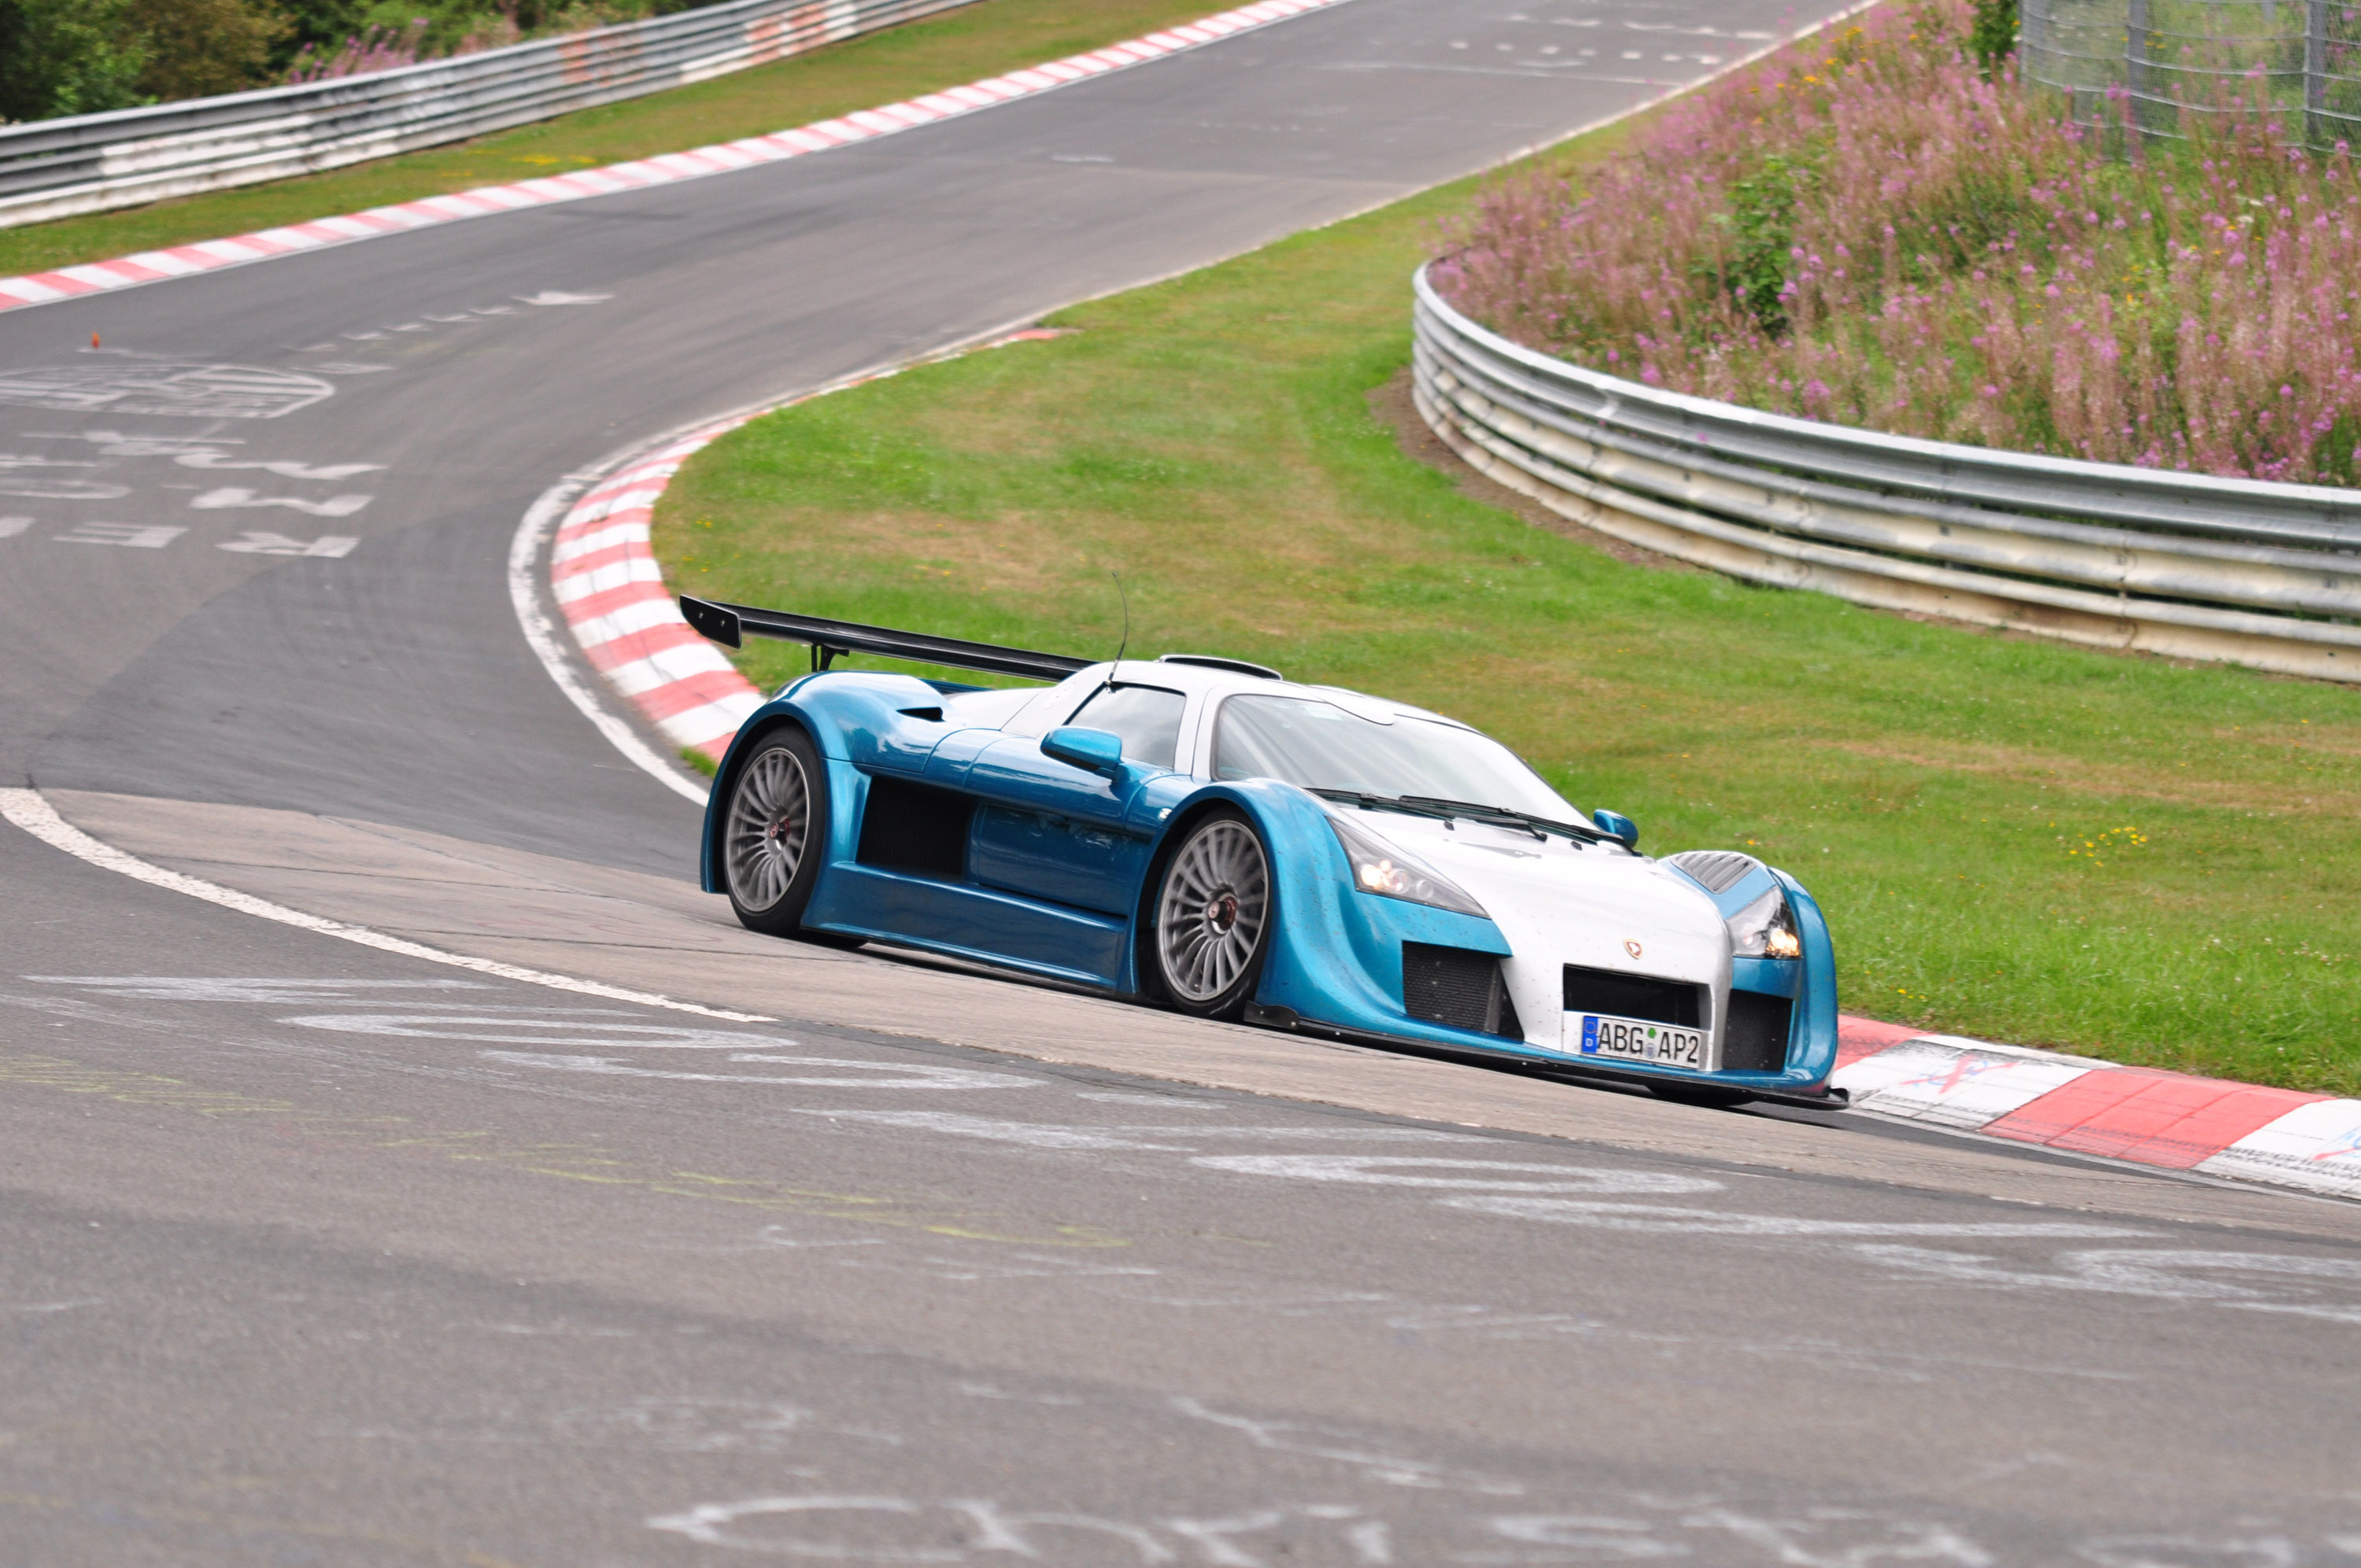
x: 1124, y: 645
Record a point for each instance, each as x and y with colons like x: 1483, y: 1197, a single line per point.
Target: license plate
x: 1631, y: 1039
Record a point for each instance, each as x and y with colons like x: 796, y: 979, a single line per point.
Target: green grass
x: 2012, y: 838
x: 985, y: 39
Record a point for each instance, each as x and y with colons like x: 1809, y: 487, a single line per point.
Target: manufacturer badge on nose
x: 1630, y: 947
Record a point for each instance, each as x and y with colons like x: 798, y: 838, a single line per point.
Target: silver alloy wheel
x: 1211, y: 912
x: 770, y: 816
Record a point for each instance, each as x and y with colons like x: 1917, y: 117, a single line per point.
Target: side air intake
x: 1755, y: 1039
x: 1458, y: 989
x: 909, y: 827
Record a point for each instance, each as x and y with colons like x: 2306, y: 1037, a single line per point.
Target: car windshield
x: 1321, y: 746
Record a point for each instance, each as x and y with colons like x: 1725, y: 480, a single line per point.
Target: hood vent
x: 1717, y: 870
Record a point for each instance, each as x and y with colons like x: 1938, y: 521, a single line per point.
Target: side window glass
x: 1148, y: 717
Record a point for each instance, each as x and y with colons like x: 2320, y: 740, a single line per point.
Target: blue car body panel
x: 1058, y: 865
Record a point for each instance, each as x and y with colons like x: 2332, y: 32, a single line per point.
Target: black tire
x: 1711, y: 1095
x: 1212, y: 916
x: 774, y: 833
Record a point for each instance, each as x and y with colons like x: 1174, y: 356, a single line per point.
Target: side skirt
x: 1077, y: 980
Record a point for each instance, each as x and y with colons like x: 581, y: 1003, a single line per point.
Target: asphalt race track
x: 314, y: 1253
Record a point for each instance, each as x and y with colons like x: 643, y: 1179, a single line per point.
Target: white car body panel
x: 1560, y: 904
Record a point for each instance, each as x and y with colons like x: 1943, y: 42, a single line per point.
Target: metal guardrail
x: 2185, y: 565
x: 53, y: 169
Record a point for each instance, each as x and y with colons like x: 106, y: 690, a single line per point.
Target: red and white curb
x: 866, y: 124
x: 2170, y: 1120
x: 611, y: 591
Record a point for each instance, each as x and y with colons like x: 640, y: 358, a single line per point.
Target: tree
x: 67, y: 57
x: 198, y: 47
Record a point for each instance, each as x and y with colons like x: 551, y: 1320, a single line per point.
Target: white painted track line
x: 28, y: 810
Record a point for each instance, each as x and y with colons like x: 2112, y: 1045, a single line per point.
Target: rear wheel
x: 1213, y: 917
x: 774, y: 833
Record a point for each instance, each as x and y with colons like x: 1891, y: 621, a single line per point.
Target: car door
x: 1047, y: 829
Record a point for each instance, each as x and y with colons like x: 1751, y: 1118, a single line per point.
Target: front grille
x: 1756, y: 1040
x: 1634, y: 996
x: 1458, y: 989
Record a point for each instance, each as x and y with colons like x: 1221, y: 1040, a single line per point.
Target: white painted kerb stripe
x: 602, y: 538
x: 671, y: 664
x: 1951, y: 1084
x: 606, y: 579
x: 624, y: 620
x: 712, y: 721
x: 2315, y: 1147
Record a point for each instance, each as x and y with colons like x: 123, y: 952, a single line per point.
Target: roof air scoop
x: 1215, y: 662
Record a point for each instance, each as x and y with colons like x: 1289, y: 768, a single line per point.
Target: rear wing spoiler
x: 732, y: 624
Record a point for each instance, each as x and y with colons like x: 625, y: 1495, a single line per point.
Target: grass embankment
x: 2012, y: 838
x: 985, y: 40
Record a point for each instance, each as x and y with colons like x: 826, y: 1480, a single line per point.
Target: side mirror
x: 1092, y: 751
x: 1614, y: 824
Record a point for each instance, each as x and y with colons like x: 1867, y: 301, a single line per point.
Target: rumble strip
x: 2207, y: 1124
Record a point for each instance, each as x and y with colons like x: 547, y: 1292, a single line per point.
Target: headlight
x: 1379, y: 868
x: 1765, y: 929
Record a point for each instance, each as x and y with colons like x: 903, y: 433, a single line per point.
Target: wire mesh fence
x: 2142, y: 65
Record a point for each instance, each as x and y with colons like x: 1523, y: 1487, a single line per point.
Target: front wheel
x: 774, y: 833
x: 1213, y: 918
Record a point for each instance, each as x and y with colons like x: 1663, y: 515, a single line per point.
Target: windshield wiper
x: 1508, y: 814
x: 1410, y: 804
x: 1435, y: 806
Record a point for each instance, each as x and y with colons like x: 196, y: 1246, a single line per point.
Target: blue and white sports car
x: 1201, y: 833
